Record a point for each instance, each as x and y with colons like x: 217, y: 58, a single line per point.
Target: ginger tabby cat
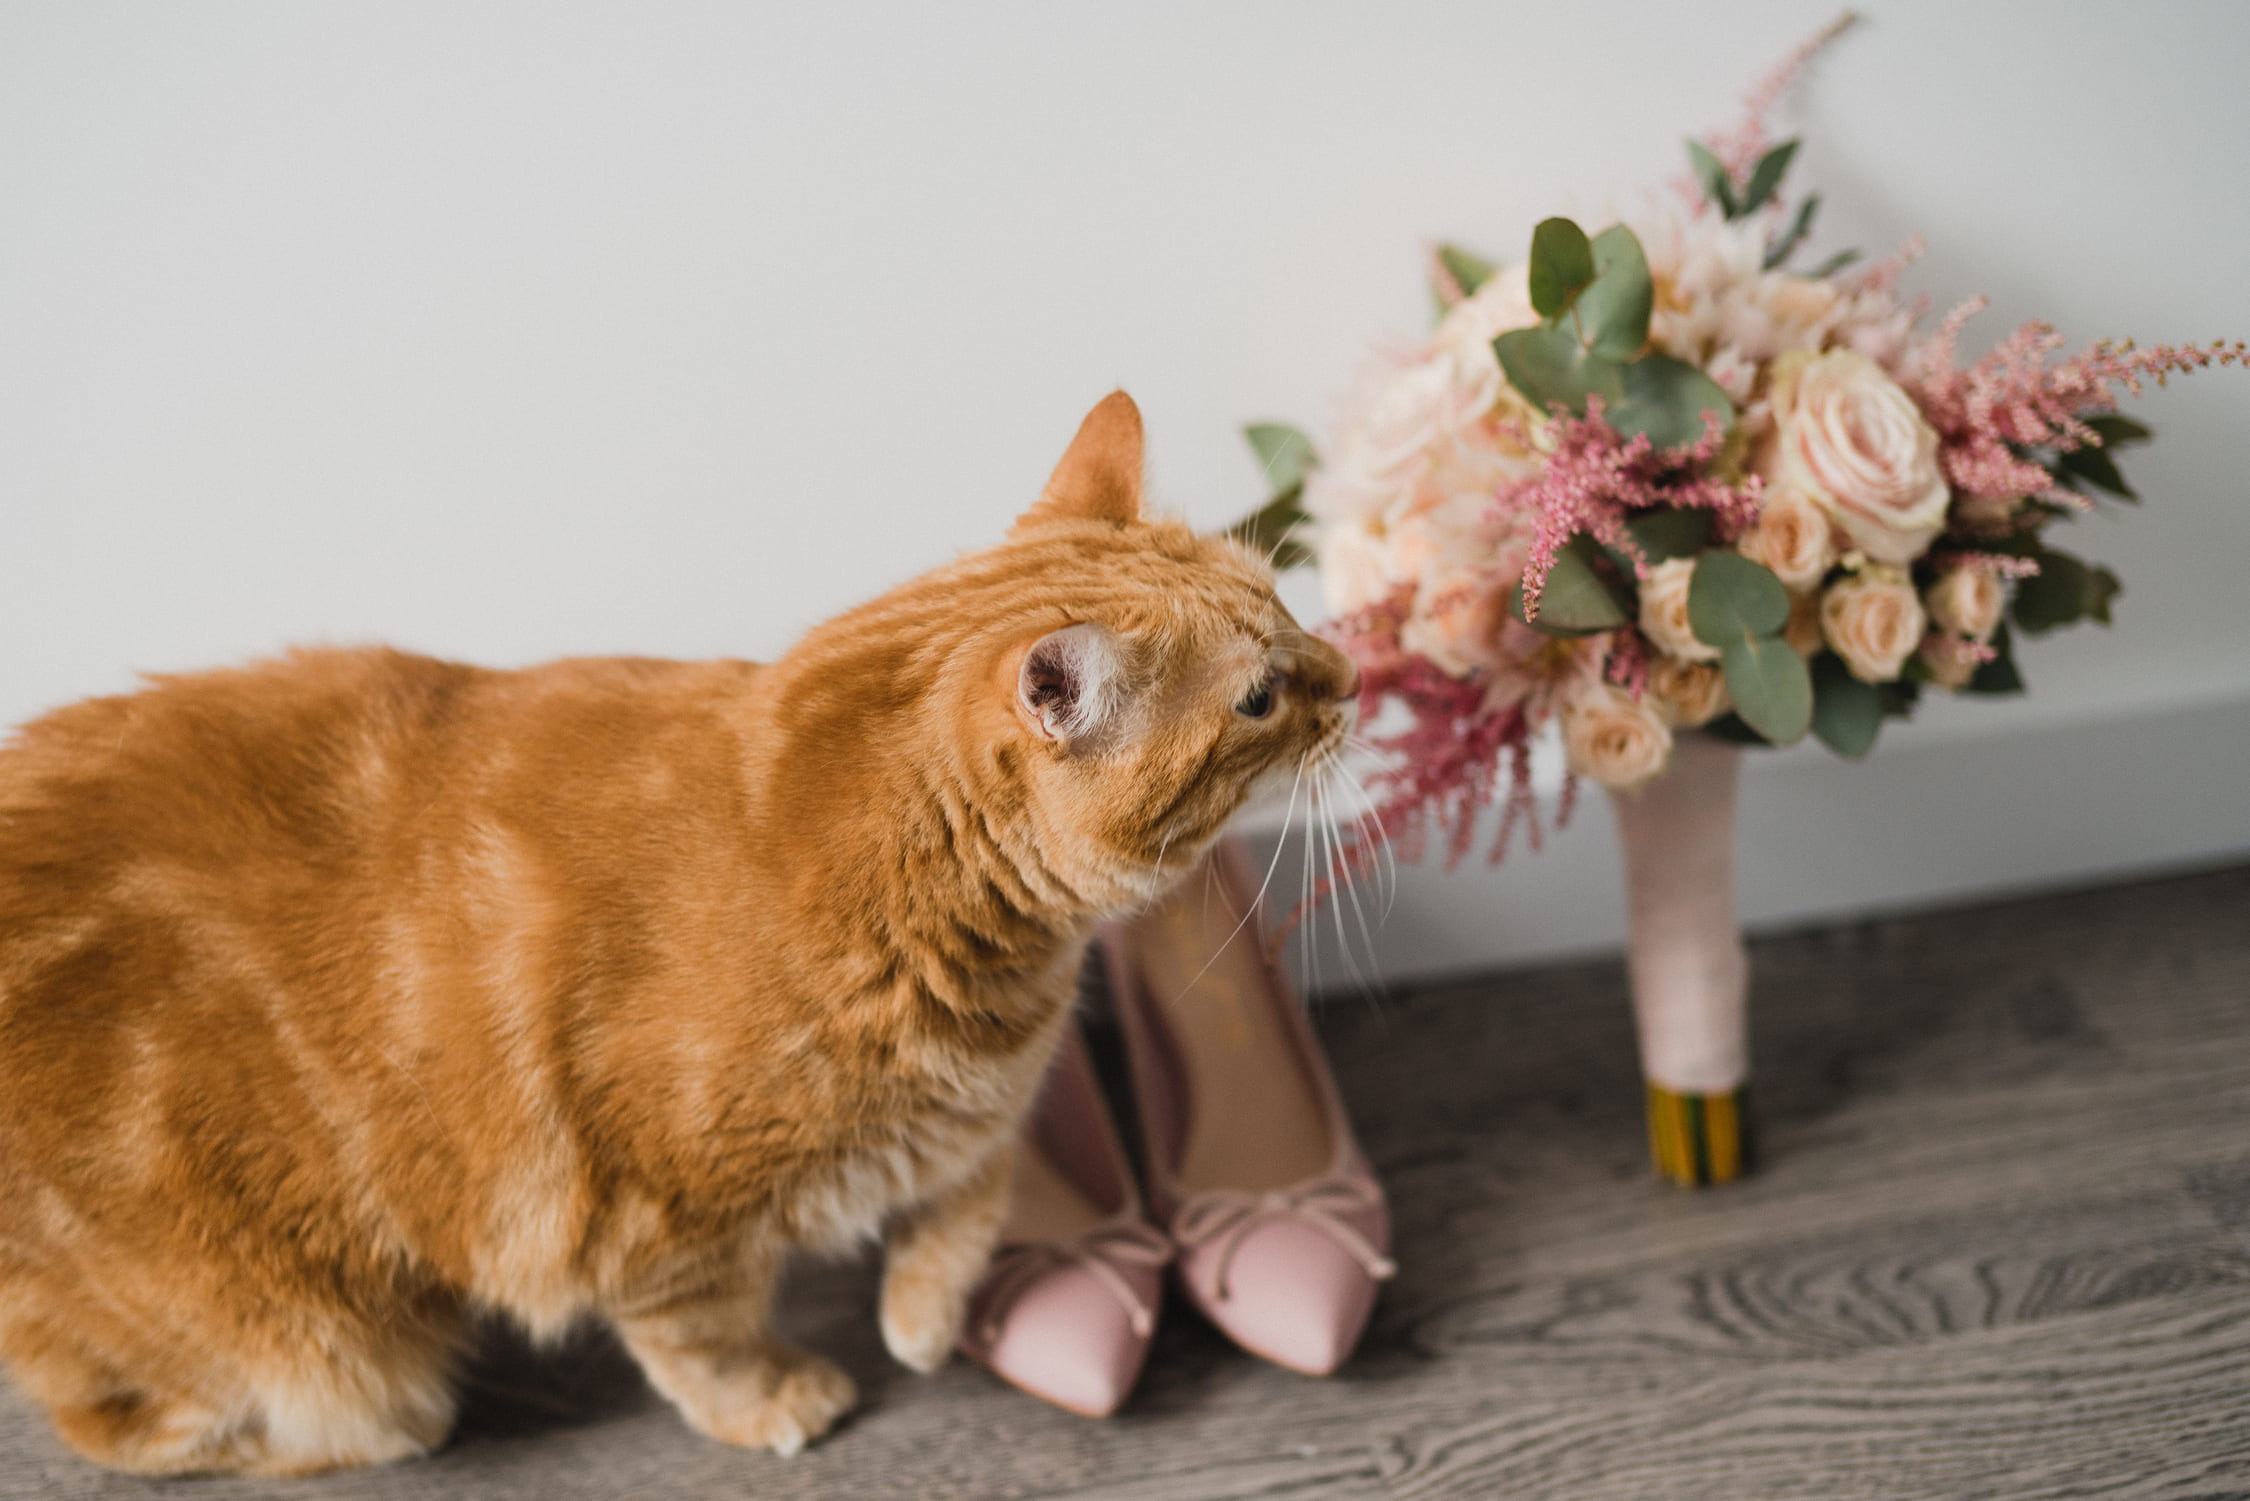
x: 348, y: 996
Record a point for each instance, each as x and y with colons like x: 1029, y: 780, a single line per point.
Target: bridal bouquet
x: 1664, y: 475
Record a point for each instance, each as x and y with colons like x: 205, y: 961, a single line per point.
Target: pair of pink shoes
x: 1262, y: 1195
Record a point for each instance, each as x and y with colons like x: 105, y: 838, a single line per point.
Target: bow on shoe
x: 1228, y: 1215
x: 1099, y: 1251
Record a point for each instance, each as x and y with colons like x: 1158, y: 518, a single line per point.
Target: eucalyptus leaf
x: 1284, y: 454
x: 1613, y: 310
x: 1468, y: 270
x: 1783, y: 248
x: 1765, y: 178
x: 1548, y: 365
x: 1712, y: 173
x: 2096, y: 468
x: 1770, y: 686
x: 1562, y: 263
x: 1576, y: 600
x: 1847, y: 713
x: 1731, y: 599
x: 2117, y: 429
x: 1545, y: 624
x: 1669, y: 532
x: 1835, y: 263
x: 1666, y: 398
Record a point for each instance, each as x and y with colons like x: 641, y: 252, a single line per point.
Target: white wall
x: 505, y: 331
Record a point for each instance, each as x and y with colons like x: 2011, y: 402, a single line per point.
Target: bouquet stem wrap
x: 1690, y: 976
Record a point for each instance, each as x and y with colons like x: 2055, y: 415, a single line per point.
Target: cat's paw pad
x: 807, y: 1397
x: 921, y: 1320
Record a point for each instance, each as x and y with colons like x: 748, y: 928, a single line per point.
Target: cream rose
x: 1874, y: 621
x: 1664, y: 618
x: 1688, y: 694
x: 1966, y: 601
x: 1793, y: 538
x: 1613, y: 739
x: 1852, y: 442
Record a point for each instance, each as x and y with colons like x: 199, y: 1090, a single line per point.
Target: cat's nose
x: 1348, y: 686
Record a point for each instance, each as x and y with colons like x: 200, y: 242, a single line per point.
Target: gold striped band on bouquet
x: 1699, y: 1139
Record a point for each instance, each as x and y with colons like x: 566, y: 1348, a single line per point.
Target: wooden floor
x: 2000, y: 1246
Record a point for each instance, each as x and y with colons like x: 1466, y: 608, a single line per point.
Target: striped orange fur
x: 347, y: 995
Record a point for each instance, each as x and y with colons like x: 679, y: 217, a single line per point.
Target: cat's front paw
x: 797, y: 1399
x: 921, y: 1318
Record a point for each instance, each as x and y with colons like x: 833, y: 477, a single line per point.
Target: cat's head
x: 1155, y: 681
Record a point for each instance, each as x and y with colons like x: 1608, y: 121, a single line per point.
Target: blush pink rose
x: 1851, y: 441
x: 1967, y: 601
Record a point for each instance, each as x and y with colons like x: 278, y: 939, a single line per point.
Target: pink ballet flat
x: 1069, y: 1304
x: 1282, y: 1230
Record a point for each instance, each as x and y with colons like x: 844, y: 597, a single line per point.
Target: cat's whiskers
x: 1343, y: 875
x: 1255, y: 902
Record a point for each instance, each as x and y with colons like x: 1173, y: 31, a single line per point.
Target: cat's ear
x: 1099, y: 479
x: 1071, y: 686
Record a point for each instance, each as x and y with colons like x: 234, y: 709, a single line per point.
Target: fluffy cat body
x: 345, y: 996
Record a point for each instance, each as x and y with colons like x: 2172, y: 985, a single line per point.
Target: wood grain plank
x: 2150, y: 1399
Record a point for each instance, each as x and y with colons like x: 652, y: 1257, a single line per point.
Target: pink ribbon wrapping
x: 1690, y: 976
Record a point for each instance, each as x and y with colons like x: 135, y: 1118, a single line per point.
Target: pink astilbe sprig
x: 1740, y: 145
x: 1628, y: 664
x: 1998, y: 564
x: 1445, y: 764
x: 2014, y: 399
x: 1595, y: 479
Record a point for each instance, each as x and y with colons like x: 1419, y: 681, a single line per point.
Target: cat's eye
x: 1257, y: 703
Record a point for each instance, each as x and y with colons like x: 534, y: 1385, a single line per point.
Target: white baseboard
x: 1932, y: 816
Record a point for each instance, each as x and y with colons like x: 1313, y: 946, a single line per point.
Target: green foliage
x: 1562, y: 263
x: 2117, y: 429
x: 1998, y: 675
x: 1284, y: 454
x: 1468, y: 270
x: 1670, y: 532
x: 2064, y: 591
x: 1549, y: 365
x: 1739, y: 607
x: 1576, y: 600
x: 1615, y: 306
x: 1718, y: 186
x: 2095, y: 467
x: 1712, y: 173
x: 1780, y: 250
x: 1730, y: 597
x: 1765, y: 178
x: 1595, y: 297
x: 1835, y: 263
x: 1729, y: 727
x: 1770, y: 687
x: 1847, y: 713
x: 1270, y: 531
x: 1666, y: 399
